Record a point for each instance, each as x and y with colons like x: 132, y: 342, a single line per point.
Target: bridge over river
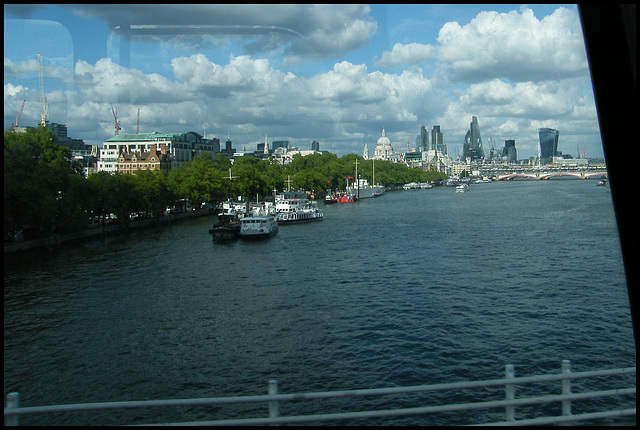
x: 542, y: 175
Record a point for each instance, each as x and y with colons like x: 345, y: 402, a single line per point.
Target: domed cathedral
x: 383, y: 150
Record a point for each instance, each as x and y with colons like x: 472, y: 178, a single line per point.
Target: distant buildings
x: 472, y: 147
x: 60, y: 130
x: 126, y: 152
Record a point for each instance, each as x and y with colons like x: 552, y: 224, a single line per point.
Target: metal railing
x: 274, y: 399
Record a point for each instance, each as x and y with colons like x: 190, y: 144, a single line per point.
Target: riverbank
x: 101, y: 230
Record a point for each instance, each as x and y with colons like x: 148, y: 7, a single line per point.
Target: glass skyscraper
x: 473, y: 142
x: 422, y: 140
x: 437, y: 140
x: 548, y: 143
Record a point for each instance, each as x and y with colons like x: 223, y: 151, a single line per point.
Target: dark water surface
x: 416, y: 287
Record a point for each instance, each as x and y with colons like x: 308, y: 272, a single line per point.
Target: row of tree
x: 46, y: 190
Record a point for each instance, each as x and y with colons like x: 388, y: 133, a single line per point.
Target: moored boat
x: 362, y: 189
x: 462, y: 188
x: 329, y: 199
x: 258, y: 227
x: 346, y: 198
x: 227, y: 227
x: 295, y: 207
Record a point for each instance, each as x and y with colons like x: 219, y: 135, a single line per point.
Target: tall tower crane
x: 44, y: 113
x: 115, y: 117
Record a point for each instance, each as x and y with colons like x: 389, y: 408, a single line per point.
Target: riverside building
x: 179, y: 147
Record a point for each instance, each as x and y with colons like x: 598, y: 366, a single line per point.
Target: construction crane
x: 584, y: 153
x: 409, y: 139
x: 44, y: 113
x: 115, y: 117
x: 19, y: 115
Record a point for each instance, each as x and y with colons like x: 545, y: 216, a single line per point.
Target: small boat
x: 258, y: 227
x: 462, y: 188
x: 602, y: 183
x: 329, y: 199
x: 227, y: 227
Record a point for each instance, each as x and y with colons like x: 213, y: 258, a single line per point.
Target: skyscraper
x: 510, y: 151
x: 437, y: 140
x: 422, y: 140
x: 472, y: 147
x: 548, y: 143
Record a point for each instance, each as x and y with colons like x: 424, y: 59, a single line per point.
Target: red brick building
x: 130, y: 162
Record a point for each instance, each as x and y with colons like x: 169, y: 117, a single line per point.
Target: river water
x: 415, y: 287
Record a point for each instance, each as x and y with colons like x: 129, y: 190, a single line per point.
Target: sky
x: 336, y: 74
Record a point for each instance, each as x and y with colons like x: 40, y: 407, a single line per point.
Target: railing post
x: 509, y: 392
x: 566, y: 388
x: 13, y: 400
x: 273, y: 406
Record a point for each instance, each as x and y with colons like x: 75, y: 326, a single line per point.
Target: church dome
x: 383, y: 150
x: 384, y: 140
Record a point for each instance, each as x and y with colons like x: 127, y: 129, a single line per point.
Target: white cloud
x: 412, y: 53
x: 503, y: 56
x: 516, y: 46
x: 110, y: 82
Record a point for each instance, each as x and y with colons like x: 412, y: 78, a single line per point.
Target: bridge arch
x: 547, y: 175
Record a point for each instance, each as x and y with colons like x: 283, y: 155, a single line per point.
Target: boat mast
x: 357, y: 181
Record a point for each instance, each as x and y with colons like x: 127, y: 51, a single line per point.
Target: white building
x: 181, y: 147
x: 383, y: 150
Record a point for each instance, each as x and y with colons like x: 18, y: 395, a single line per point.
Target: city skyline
x: 335, y: 74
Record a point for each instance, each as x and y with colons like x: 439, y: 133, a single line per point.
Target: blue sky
x: 337, y: 74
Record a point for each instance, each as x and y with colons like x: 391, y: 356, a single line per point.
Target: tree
x: 40, y: 179
x: 152, y: 191
x: 252, y: 180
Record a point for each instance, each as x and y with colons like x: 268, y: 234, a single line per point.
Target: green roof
x: 147, y: 136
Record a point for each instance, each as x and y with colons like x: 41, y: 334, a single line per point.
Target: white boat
x: 231, y: 207
x: 362, y: 190
x: 462, y: 188
x: 258, y: 227
x: 295, y: 207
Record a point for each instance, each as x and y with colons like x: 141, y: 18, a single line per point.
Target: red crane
x: 409, y: 138
x: 115, y: 117
x: 20, y: 114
